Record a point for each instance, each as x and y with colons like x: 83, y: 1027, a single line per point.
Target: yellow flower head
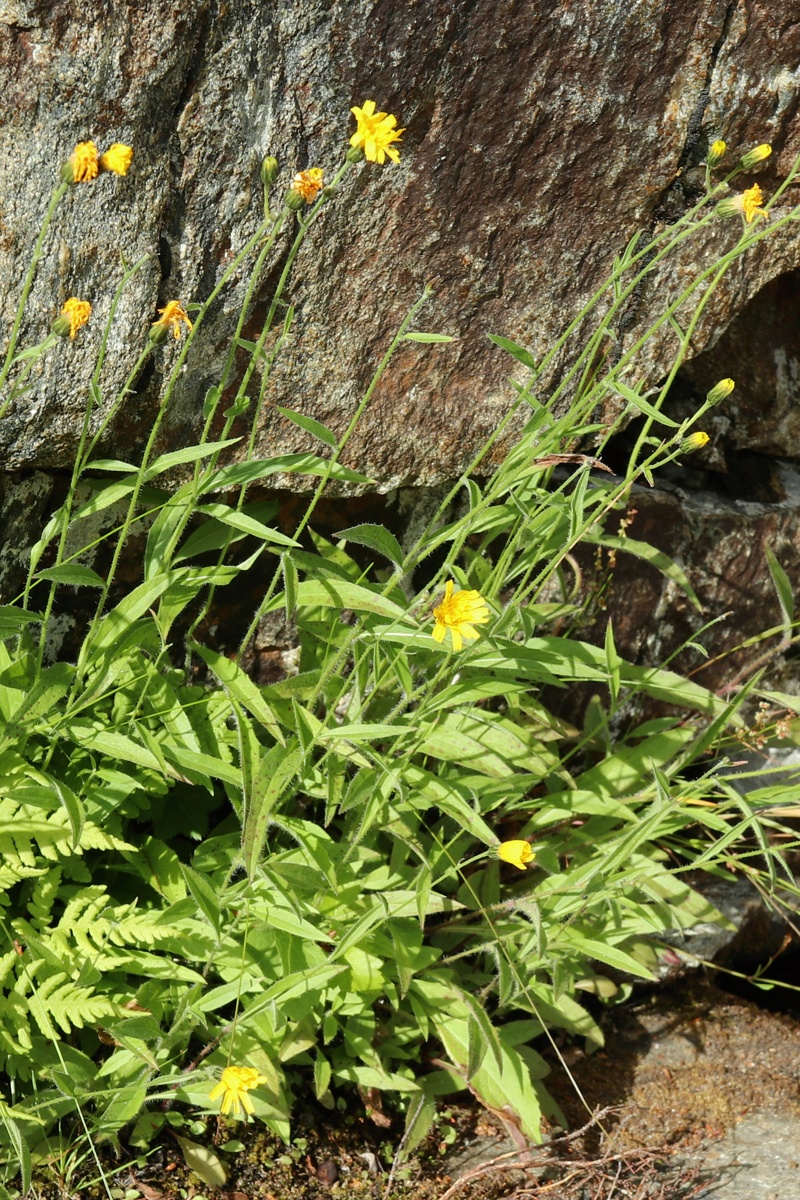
x: 516, y: 852
x: 117, y: 158
x: 170, y: 318
x: 308, y: 183
x: 375, y: 132
x: 82, y: 164
x: 695, y: 441
x: 748, y: 204
x: 236, y: 1082
x: 459, y: 613
x: 74, y: 314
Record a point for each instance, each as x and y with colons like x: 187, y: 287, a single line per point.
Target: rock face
x: 538, y: 139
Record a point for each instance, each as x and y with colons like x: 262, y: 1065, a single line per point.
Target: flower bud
x: 756, y: 156
x: 695, y: 441
x: 720, y: 391
x: 716, y: 152
x: 269, y: 170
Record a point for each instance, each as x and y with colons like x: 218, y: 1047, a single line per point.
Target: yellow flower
x: 170, y: 318
x: 82, y: 164
x: 117, y: 158
x: 74, y: 314
x: 748, y: 204
x: 236, y: 1082
x: 516, y: 852
x: 308, y: 183
x: 695, y: 441
x: 459, y: 613
x: 375, y: 133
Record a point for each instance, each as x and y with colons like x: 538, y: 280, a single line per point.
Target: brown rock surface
x: 539, y: 137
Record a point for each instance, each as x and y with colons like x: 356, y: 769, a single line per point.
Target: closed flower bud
x: 269, y: 170
x: 695, y: 441
x: 756, y: 156
x: 720, y: 391
x: 716, y: 152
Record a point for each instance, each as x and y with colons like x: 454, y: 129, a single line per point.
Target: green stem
x: 58, y: 193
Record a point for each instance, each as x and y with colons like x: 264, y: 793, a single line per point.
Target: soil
x: 682, y: 1069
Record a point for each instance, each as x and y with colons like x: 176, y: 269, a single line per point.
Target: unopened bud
x: 720, y: 391
x: 716, y: 153
x: 695, y: 441
x: 756, y: 156
x: 269, y: 170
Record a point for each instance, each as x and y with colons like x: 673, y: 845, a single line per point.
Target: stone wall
x: 539, y: 138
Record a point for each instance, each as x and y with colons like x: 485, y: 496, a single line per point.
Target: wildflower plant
x: 311, y: 877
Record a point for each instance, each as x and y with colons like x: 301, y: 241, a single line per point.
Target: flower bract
x: 375, y: 133
x: 233, y: 1087
x: 74, y: 314
x: 516, y: 852
x: 82, y: 163
x: 459, y: 613
x: 117, y: 158
x: 171, y: 317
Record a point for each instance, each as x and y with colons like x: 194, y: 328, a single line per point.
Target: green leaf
x: 298, y: 464
x: 291, y: 582
x: 160, y: 867
x: 427, y: 337
x: 176, y: 458
x: 20, y: 1147
x: 662, y: 562
x: 517, y: 352
x: 245, y: 524
x: 110, y: 464
x: 639, y: 402
x: 277, y: 774
x: 204, y: 895
x: 315, y: 428
x: 72, y: 807
x: 507, y: 1088
x: 72, y: 573
x: 204, y: 1161
x: 133, y: 606
x: 335, y: 593
x: 13, y: 620
x: 783, y: 588
x: 375, y: 537
x: 242, y: 688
